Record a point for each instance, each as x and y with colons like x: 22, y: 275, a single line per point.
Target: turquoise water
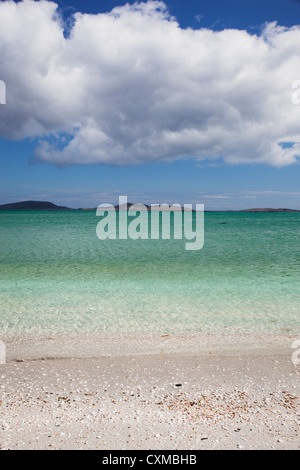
x: 58, y: 278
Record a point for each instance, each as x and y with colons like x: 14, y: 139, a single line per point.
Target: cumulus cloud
x: 132, y: 86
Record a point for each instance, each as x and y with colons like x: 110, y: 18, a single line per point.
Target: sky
x: 164, y: 102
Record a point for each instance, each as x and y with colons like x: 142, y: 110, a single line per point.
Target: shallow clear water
x: 57, y: 277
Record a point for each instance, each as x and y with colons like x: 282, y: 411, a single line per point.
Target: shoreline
x: 26, y: 348
x: 242, y: 399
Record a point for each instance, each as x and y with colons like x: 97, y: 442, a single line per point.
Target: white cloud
x: 131, y: 86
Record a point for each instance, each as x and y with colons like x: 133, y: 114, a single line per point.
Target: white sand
x: 240, y: 400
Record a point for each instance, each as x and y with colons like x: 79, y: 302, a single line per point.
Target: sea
x: 59, y: 282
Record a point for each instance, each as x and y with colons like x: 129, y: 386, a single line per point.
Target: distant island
x: 40, y: 205
x: 33, y: 205
x: 270, y: 210
x: 49, y: 206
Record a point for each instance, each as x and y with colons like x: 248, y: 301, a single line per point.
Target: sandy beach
x: 240, y: 400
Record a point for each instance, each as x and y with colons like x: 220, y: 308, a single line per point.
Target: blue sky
x: 220, y: 183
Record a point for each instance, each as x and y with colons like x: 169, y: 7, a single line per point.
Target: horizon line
x: 9, y: 206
